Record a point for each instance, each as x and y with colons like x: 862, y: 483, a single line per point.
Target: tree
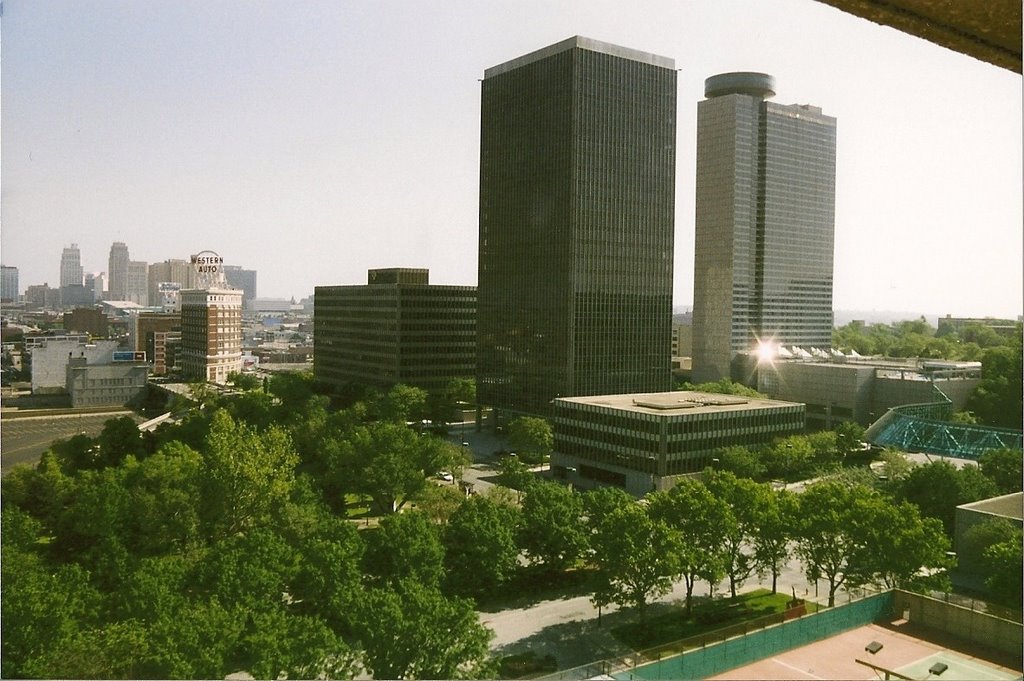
x: 443, y: 404
x: 406, y: 546
x: 824, y: 448
x: 439, y: 502
x: 256, y: 409
x: 826, y: 533
x: 279, y: 643
x: 41, y: 607
x: 250, y: 570
x: 413, y: 631
x: 552, y: 532
x: 243, y: 381
x: 532, y: 438
x: 480, y: 546
x: 245, y: 474
x: 722, y: 387
x: 1004, y: 468
x: 391, y: 463
x: 293, y: 388
x: 77, y: 453
x: 401, y: 404
x: 741, y: 498
x: 741, y: 461
x: 636, y: 558
x: 775, y: 517
x: 164, y: 493
x: 699, y: 520
x: 516, y: 475
x: 599, y: 503
x: 789, y: 458
x: 937, y: 488
x: 849, y: 439
x: 119, y: 438
x: 997, y: 401
x: 1003, y: 561
x: 898, y: 548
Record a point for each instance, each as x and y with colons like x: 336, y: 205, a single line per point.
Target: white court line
x: 796, y: 669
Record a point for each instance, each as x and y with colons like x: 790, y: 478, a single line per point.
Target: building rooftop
x: 582, y: 43
x: 678, y: 402
x: 1006, y: 506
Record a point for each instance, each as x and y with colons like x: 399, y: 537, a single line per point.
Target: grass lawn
x: 707, y: 616
x: 357, y: 506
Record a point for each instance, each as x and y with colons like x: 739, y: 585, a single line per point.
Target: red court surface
x: 835, y: 658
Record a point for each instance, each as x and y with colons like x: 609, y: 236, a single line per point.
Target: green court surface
x: 959, y: 668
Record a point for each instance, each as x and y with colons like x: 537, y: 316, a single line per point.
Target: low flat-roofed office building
x: 646, y: 441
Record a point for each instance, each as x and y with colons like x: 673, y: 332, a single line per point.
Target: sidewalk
x: 568, y: 629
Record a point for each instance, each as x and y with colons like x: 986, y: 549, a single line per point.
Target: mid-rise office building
x: 90, y: 320
x: 211, y: 334
x: 765, y: 207
x: 151, y: 333
x: 117, y: 271
x: 118, y: 382
x: 861, y: 389
x: 397, y: 328
x: 71, y: 266
x: 577, y: 200
x: 645, y: 442
x: 96, y: 283
x: 177, y: 271
x: 245, y: 280
x: 9, y: 287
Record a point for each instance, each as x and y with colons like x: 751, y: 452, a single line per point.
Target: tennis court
x: 837, y: 658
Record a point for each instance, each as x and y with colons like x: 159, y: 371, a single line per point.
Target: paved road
x: 23, y: 440
x: 568, y: 628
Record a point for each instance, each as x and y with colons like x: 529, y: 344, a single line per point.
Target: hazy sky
x: 312, y: 140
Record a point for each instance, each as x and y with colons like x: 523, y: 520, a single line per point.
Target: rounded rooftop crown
x: 740, y: 83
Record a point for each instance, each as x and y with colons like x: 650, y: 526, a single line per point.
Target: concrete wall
x: 963, y: 623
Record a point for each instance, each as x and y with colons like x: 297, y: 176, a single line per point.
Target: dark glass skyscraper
x: 577, y: 198
x: 765, y: 218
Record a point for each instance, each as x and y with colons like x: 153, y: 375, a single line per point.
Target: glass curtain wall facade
x: 396, y: 329
x: 765, y: 221
x: 577, y: 182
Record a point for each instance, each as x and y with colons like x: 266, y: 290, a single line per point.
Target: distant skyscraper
x: 9, y: 283
x: 577, y: 191
x: 71, y: 266
x: 245, y: 280
x: 178, y: 271
x: 765, y: 212
x: 137, y: 289
x: 117, y: 271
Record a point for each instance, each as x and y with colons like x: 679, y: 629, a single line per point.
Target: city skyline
x: 312, y: 141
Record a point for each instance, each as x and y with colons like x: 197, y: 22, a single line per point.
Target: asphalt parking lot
x: 23, y: 440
